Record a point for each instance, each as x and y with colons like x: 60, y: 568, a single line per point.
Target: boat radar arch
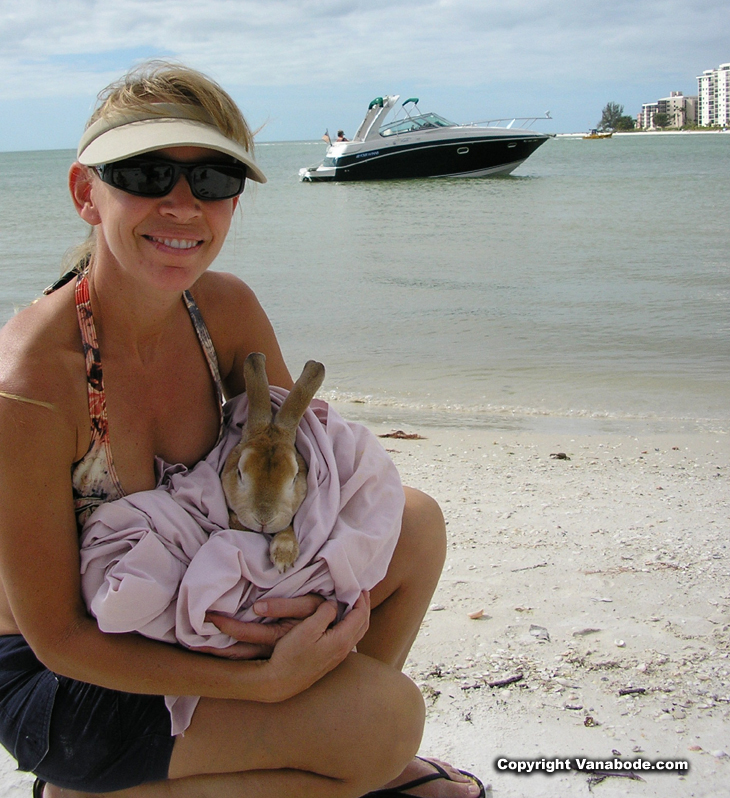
x: 377, y: 111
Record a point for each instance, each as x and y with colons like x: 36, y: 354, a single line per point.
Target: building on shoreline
x: 713, y: 107
x: 679, y: 110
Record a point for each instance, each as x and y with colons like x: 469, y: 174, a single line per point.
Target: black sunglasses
x: 156, y: 177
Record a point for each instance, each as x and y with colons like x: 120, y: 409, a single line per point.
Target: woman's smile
x: 178, y: 244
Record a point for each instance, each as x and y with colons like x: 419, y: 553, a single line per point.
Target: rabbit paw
x: 284, y: 549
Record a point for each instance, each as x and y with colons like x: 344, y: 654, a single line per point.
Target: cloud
x: 65, y: 45
x: 514, y: 51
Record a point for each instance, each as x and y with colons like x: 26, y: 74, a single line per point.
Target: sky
x: 298, y: 67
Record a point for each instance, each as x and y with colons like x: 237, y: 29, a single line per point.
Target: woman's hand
x: 301, y: 647
x: 257, y: 640
x: 314, y: 647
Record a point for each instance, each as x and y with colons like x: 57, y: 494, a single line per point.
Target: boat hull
x: 457, y: 157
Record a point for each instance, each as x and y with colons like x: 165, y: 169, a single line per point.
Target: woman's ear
x: 80, y: 180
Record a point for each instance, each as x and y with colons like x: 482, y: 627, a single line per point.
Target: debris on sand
x: 402, y: 436
x: 508, y: 680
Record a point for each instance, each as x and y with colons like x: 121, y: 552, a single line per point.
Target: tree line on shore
x: 613, y: 120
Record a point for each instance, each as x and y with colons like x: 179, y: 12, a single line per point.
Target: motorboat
x: 594, y: 134
x: 407, y: 143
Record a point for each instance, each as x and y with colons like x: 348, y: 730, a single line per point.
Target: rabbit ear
x: 257, y: 389
x: 295, y: 404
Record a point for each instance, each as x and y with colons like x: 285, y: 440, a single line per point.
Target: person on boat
x: 341, y: 136
x: 128, y: 358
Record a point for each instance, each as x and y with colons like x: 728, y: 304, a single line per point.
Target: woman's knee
x: 408, y: 712
x: 395, y: 728
x: 423, y: 533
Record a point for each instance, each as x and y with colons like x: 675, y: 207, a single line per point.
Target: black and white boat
x: 413, y: 144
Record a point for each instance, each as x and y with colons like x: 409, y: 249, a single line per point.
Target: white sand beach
x: 605, y: 571
x: 601, y: 571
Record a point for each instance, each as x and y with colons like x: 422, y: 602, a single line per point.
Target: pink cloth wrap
x: 156, y: 561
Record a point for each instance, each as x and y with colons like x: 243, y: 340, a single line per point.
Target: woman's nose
x: 180, y: 202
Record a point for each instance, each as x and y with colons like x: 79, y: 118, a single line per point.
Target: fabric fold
x: 157, y: 561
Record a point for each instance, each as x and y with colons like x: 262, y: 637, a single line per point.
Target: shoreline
x: 649, y: 133
x: 381, y: 413
x: 602, y: 571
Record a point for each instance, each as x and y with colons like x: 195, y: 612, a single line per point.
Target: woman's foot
x: 441, y: 780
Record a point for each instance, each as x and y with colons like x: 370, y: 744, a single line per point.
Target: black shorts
x: 76, y: 735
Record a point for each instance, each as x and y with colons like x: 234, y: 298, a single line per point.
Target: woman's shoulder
x: 41, y: 355
x: 221, y: 292
x: 227, y: 305
x: 238, y: 325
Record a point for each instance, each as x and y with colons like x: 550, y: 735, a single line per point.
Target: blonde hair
x: 143, y: 88
x: 146, y: 86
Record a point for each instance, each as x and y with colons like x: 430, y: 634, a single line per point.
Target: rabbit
x: 264, y: 477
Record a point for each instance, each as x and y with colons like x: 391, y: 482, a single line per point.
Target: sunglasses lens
x: 147, y: 178
x: 219, y: 181
x: 155, y: 178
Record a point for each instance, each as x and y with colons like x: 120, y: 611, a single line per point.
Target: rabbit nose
x: 264, y: 520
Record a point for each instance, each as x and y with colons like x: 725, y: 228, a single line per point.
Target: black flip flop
x: 399, y: 792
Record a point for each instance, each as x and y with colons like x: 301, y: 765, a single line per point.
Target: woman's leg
x: 400, y: 601
x: 353, y: 731
x: 349, y: 733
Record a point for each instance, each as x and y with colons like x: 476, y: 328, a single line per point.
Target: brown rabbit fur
x: 265, y: 478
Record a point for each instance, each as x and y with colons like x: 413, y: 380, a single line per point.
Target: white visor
x: 107, y: 141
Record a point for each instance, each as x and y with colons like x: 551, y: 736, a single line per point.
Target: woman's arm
x: 39, y: 566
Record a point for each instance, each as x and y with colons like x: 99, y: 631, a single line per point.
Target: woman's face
x: 167, y: 242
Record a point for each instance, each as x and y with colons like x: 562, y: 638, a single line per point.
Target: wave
x: 383, y: 410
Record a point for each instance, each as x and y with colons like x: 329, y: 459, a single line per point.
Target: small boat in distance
x: 594, y: 134
x: 413, y: 144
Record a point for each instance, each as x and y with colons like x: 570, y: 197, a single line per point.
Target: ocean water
x: 589, y: 290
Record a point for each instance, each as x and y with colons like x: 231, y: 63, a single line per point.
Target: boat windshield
x: 413, y: 123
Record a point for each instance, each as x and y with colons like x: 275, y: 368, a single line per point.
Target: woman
x: 290, y: 710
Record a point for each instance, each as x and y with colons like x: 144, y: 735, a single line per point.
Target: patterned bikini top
x: 94, y: 477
